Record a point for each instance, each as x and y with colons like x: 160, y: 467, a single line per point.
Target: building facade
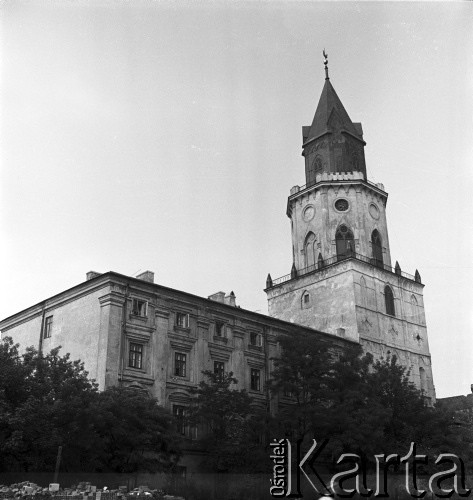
x: 342, y: 279
x: 133, y: 332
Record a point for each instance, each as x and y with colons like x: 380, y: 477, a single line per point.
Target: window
x: 179, y: 413
x: 135, y: 359
x: 139, y: 307
x: 180, y: 364
x: 377, y: 249
x: 309, y: 250
x: 219, y: 368
x: 305, y: 300
x: 342, y: 205
x: 255, y: 383
x: 182, y: 320
x: 345, y: 242
x: 389, y: 301
x: 256, y: 339
x: 48, y: 325
x: 219, y: 329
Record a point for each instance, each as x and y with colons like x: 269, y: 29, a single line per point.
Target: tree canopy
x: 225, y: 415
x: 47, y: 401
x: 361, y: 405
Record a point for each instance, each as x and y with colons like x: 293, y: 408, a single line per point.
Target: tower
x: 342, y: 279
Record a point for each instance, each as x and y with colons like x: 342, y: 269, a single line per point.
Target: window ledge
x: 137, y: 316
x: 137, y: 370
x: 182, y: 329
x: 218, y: 338
x: 255, y: 347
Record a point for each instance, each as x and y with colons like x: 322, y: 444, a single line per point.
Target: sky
x: 167, y: 135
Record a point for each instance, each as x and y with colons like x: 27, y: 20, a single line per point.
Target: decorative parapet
x: 339, y: 176
x: 320, y: 266
x: 336, y: 176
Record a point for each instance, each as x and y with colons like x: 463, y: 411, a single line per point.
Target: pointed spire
x: 397, y: 268
x: 293, y: 271
x: 417, y: 277
x: 326, y: 65
x: 269, y: 281
x: 330, y: 113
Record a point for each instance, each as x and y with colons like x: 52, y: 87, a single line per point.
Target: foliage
x: 47, y: 401
x: 363, y: 406
x: 134, y: 431
x: 227, y: 414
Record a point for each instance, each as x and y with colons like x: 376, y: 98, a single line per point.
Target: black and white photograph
x: 237, y: 251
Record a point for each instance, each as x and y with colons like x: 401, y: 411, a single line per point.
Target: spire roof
x: 330, y: 115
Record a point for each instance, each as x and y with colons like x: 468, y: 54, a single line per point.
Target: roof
x: 330, y: 108
x: 108, y: 276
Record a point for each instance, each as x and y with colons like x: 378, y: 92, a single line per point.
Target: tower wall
x: 330, y: 306
x: 313, y: 211
x: 347, y: 299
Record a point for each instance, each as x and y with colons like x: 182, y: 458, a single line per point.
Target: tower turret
x: 333, y: 143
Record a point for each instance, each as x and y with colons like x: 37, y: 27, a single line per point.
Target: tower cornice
x: 338, y: 180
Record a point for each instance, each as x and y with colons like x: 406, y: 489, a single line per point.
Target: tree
x: 45, y: 409
x: 361, y: 406
x: 48, y: 401
x: 354, y: 418
x: 226, y: 412
x: 134, y: 432
x: 301, y: 373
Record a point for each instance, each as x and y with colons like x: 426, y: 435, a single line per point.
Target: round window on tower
x: 341, y: 205
x: 308, y: 213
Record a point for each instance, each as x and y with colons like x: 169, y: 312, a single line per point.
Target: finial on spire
x: 326, y: 64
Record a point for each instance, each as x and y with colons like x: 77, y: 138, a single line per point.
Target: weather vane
x: 326, y: 64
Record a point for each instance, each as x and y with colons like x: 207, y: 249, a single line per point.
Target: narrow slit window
x: 389, y: 301
x: 377, y: 249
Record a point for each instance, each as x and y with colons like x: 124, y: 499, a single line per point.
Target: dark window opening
x: 389, y: 301
x: 377, y: 249
x: 179, y: 413
x: 255, y: 339
x: 139, y: 307
x: 220, y: 329
x: 135, y: 359
x: 255, y: 383
x: 345, y: 242
x: 180, y: 365
x: 219, y: 368
x: 48, y: 325
x: 182, y: 320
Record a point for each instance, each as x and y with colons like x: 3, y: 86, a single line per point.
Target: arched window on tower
x: 309, y: 250
x: 377, y: 248
x: 305, y: 300
x: 345, y: 242
x: 389, y: 301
